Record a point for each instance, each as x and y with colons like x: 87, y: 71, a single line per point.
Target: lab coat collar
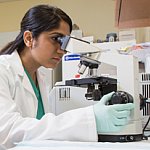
x: 16, y: 63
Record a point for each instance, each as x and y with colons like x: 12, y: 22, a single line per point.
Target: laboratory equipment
x: 71, y: 93
x: 121, y: 97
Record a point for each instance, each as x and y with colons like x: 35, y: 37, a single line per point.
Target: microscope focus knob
x: 97, y: 95
x: 121, y: 97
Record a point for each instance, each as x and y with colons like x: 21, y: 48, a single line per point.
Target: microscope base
x: 120, y: 138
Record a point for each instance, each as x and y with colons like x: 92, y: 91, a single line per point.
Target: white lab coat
x: 18, y: 109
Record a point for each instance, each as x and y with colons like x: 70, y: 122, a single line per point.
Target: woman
x: 24, y: 107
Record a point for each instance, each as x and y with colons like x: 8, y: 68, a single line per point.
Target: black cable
x: 146, y: 124
x: 144, y: 129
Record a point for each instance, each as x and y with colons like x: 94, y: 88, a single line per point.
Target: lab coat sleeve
x: 74, y: 125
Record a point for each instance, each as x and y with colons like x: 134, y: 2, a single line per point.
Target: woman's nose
x: 60, y: 51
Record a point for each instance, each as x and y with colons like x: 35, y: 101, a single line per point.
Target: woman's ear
x: 27, y: 36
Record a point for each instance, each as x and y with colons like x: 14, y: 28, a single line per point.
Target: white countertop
x: 67, y: 145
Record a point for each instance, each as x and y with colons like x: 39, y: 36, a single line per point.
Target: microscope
x: 97, y: 86
x: 86, y: 91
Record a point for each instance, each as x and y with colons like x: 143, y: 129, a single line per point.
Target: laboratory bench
x: 67, y: 145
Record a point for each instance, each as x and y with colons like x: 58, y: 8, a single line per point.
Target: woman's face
x: 46, y: 50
